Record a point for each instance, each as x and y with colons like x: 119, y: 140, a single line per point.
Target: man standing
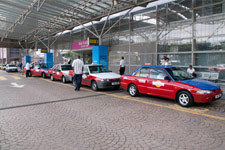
x: 28, y: 69
x: 122, y: 66
x: 78, y: 70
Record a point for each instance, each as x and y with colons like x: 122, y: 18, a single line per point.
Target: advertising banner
x: 80, y: 45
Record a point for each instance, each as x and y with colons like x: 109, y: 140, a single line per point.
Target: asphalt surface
x: 39, y: 114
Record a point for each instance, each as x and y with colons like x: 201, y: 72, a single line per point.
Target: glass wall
x: 186, y: 31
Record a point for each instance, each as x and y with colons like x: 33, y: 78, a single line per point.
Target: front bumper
x: 108, y: 84
x: 207, y: 98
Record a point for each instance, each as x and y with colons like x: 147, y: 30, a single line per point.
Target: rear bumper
x: 207, y: 98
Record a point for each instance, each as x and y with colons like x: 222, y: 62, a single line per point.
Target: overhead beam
x: 23, y: 17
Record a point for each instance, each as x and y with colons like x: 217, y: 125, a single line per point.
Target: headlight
x: 204, y: 92
x: 104, y: 79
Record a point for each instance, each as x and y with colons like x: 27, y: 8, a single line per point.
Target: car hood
x: 106, y: 75
x: 202, y: 84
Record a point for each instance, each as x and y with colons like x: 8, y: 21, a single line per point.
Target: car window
x: 157, y: 73
x: 44, y: 66
x: 54, y: 67
x: 85, y: 68
x: 36, y: 66
x: 98, y: 69
x: 143, y: 72
x: 179, y: 74
x: 66, y: 67
x: 12, y: 66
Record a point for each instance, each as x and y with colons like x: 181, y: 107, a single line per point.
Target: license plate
x: 218, y: 96
x: 115, y: 83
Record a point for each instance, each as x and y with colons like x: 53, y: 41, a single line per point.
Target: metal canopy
x: 29, y: 20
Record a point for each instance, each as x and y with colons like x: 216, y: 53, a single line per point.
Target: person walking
x: 78, y: 66
x: 122, y: 66
x: 167, y: 62
x: 27, y: 69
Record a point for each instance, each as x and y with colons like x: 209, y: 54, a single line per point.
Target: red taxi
x: 170, y: 82
x: 98, y: 77
x: 60, y: 72
x: 40, y: 70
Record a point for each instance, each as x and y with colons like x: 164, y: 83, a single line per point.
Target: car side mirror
x: 167, y: 78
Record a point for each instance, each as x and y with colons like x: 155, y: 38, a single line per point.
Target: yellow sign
x: 158, y: 83
x: 93, y: 41
x: 43, y: 50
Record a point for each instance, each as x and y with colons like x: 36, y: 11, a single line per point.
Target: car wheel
x: 43, y: 75
x: 63, y: 79
x: 185, y: 99
x: 94, y: 85
x: 52, y: 78
x: 133, y: 90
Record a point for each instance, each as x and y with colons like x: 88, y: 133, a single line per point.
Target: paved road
x: 46, y: 115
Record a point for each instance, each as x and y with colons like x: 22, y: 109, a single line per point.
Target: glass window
x: 157, y: 73
x: 179, y: 74
x: 85, y: 68
x: 66, y: 67
x: 177, y: 59
x: 209, y: 59
x: 179, y: 45
x: 143, y: 72
x: 98, y: 69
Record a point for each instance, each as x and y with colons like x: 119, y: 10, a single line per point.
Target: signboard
x: 93, y: 41
x: 43, y: 50
x: 81, y: 45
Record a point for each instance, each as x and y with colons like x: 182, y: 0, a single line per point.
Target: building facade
x: 189, y: 32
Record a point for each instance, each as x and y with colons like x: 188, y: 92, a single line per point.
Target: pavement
x: 39, y: 114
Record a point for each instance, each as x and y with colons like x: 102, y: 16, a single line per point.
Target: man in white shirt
x: 78, y: 70
x: 27, y: 69
x: 191, y: 70
x: 122, y: 66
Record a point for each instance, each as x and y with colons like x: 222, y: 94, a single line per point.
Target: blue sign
x: 49, y: 59
x: 100, y: 55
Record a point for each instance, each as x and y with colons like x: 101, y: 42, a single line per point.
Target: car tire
x: 51, y: 77
x: 133, y: 90
x: 43, y: 75
x: 94, y: 86
x: 63, y: 79
x: 185, y: 99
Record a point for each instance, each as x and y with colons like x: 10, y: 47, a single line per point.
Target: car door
x: 54, y: 71
x: 141, y: 77
x: 58, y: 74
x: 86, y: 77
x: 159, y: 83
x: 36, y: 70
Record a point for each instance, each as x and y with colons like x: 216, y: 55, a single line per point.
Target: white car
x: 11, y: 68
x: 98, y: 77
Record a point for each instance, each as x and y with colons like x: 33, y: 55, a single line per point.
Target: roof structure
x: 30, y: 20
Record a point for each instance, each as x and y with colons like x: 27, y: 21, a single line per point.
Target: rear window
x: 66, y: 67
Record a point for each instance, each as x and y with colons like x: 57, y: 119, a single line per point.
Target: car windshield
x: 12, y: 66
x: 44, y: 66
x: 66, y: 67
x: 98, y: 69
x: 179, y: 74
